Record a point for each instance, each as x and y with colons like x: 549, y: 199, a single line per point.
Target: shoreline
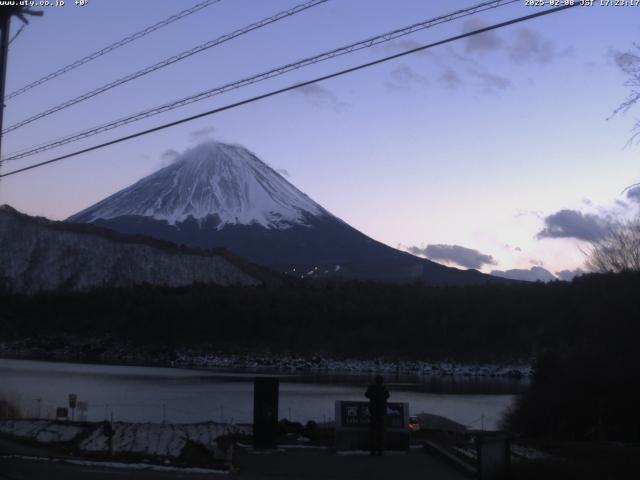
x: 122, y: 354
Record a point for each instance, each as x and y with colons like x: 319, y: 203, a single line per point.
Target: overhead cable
x: 112, y: 47
x: 386, y: 37
x: 166, y: 62
x: 293, y: 87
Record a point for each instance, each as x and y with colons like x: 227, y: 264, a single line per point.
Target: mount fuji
x: 221, y: 195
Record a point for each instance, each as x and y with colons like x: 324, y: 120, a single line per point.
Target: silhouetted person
x: 377, y: 395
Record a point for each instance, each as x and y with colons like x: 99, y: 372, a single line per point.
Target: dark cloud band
x: 575, y: 224
x: 465, y: 257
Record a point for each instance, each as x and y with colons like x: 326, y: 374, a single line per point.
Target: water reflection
x: 180, y: 395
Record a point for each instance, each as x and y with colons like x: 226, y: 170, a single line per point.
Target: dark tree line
x: 363, y: 319
x: 584, y: 334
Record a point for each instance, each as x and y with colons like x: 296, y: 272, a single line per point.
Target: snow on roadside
x: 148, y: 466
x: 467, y: 452
x: 43, y: 431
x: 152, y: 439
x: 119, y: 465
x: 520, y: 452
x: 162, y: 440
x: 349, y: 453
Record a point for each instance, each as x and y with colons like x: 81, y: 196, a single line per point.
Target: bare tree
x: 629, y: 63
x: 619, y: 251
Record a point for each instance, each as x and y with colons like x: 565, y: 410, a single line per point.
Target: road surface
x: 294, y: 464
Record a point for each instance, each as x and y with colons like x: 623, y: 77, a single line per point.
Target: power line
x: 292, y: 87
x: 386, y: 37
x: 6, y: 13
x: 17, y: 33
x: 169, y: 61
x: 113, y: 46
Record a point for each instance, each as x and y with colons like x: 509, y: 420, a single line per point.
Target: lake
x: 152, y: 394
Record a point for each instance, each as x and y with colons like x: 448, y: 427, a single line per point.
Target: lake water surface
x: 152, y: 394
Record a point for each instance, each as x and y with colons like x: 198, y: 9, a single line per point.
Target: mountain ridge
x: 213, y: 195
x: 37, y: 254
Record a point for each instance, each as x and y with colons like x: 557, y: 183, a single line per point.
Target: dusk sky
x: 498, y: 144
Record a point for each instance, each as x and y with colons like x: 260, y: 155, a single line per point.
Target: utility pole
x: 5, y: 23
x: 6, y: 12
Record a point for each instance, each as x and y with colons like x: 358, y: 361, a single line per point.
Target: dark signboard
x: 353, y: 426
x: 62, y: 412
x: 356, y: 415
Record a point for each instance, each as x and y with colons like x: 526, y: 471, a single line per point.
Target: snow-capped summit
x: 226, y: 182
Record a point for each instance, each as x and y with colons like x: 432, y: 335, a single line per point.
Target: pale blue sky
x: 470, y: 144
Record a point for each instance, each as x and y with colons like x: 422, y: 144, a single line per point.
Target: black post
x: 5, y: 22
x: 265, y: 412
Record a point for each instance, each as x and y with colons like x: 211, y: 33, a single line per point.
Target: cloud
x: 202, y: 134
x: 508, y: 246
x: 465, y: 257
x: 461, y: 65
x: 283, y: 172
x: 168, y: 157
x: 537, y: 263
x: 491, y: 83
x: 450, y: 78
x: 483, y: 42
x: 318, y: 96
x: 403, y: 78
x: 528, y: 46
x: 524, y: 45
x: 534, y: 274
x: 627, y: 62
x: 568, y: 275
x: 575, y: 224
x: 633, y: 194
x: 169, y: 154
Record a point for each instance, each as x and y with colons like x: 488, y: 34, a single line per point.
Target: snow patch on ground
x: 149, y: 439
x: 146, y: 466
x: 347, y: 453
x: 520, y: 452
x: 304, y: 447
x: 42, y: 431
x: 469, y: 452
x: 120, y: 465
x: 160, y: 440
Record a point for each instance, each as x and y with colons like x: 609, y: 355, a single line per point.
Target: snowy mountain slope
x: 38, y: 255
x: 219, y: 195
x: 214, y: 179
